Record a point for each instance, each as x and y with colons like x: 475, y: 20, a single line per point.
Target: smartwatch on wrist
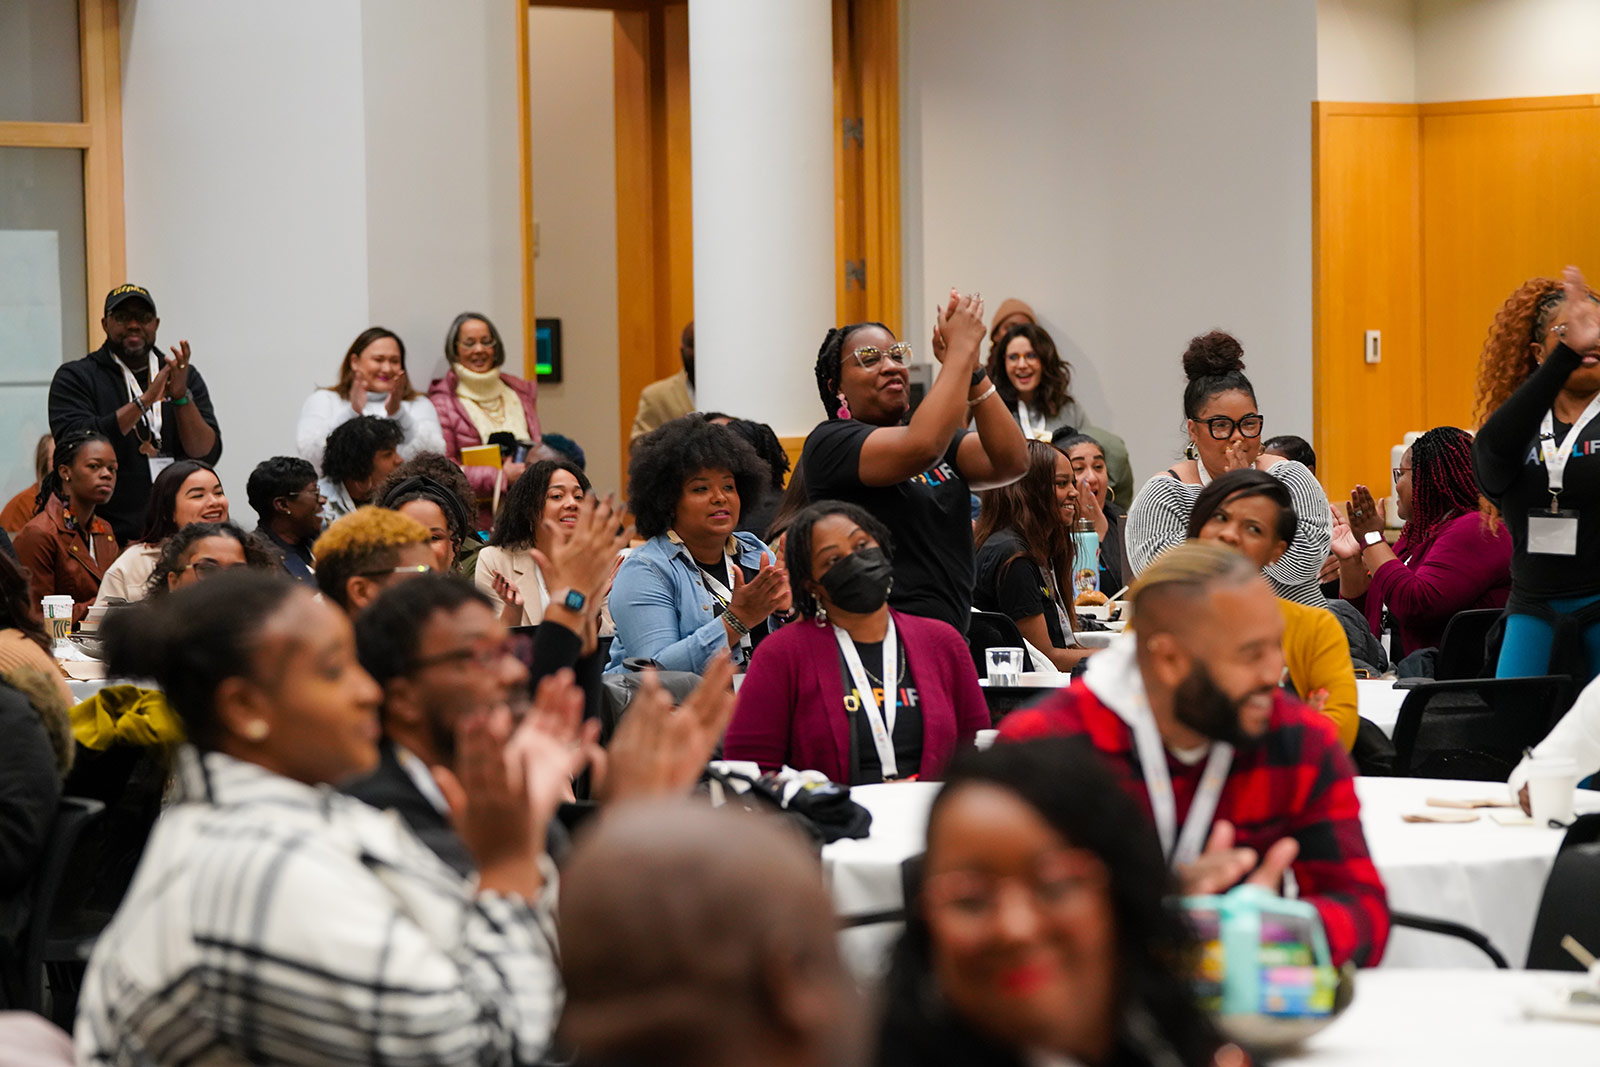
x: 1370, y: 538
x: 978, y: 376
x: 572, y: 600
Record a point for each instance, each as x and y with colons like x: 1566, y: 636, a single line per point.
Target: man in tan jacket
x: 670, y: 398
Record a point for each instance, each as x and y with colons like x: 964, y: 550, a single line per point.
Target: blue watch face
x: 574, y: 600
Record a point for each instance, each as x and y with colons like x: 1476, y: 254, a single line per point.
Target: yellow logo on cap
x: 130, y: 288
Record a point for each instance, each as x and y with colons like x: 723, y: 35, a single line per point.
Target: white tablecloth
x: 1485, y: 875
x: 1379, y: 701
x: 1453, y: 1019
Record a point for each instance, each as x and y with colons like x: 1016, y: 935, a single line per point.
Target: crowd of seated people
x: 404, y: 635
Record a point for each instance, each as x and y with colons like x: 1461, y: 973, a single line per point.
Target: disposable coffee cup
x: 57, y: 610
x: 1552, y: 787
x: 985, y: 739
x: 1005, y: 666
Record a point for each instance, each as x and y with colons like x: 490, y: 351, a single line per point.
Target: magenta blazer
x: 459, y: 432
x: 1463, y: 566
x: 790, y: 707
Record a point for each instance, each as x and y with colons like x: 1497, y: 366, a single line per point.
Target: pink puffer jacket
x: 459, y: 432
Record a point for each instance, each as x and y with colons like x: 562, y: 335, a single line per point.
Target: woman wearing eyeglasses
x: 476, y: 398
x: 916, y: 475
x: 204, y: 550
x: 1224, y: 428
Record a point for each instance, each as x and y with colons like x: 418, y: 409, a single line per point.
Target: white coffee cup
x: 1552, y: 788
x: 985, y: 739
x: 57, y: 609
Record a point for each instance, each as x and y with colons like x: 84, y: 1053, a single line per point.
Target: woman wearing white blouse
x: 372, y: 381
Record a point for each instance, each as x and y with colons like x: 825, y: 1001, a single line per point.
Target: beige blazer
x: 660, y: 403
x: 520, y: 570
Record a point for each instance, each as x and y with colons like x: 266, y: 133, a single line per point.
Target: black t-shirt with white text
x: 907, y: 732
x: 929, y: 517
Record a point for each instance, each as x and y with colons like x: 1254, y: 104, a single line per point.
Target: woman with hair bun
x: 1224, y: 429
x: 1535, y: 459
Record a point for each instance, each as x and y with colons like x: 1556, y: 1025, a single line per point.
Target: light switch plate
x: 1374, y: 346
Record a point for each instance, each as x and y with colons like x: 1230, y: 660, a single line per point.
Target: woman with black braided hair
x: 914, y: 475
x: 1449, y: 558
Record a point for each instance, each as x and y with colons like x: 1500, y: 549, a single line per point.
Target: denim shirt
x: 663, y: 610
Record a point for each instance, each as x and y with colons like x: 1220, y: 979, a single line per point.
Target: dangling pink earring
x: 844, y: 406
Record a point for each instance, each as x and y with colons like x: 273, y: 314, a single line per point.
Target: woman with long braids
x: 1537, y: 459
x: 66, y: 547
x: 1450, y: 556
x: 1025, y: 561
x: 914, y: 475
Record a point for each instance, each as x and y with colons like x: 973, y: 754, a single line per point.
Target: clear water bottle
x: 1085, y: 557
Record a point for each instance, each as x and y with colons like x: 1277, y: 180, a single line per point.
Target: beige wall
x: 1487, y: 49
x: 1366, y: 51
x: 574, y: 201
x: 1134, y: 202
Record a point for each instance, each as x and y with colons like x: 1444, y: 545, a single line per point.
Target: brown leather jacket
x: 61, y: 560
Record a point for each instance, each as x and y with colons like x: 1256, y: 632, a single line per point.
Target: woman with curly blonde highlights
x: 1537, y: 459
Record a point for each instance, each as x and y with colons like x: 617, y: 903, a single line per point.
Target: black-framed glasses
x: 869, y: 356
x: 517, y: 646
x: 126, y: 315
x: 1396, y: 472
x: 1221, y: 427
x: 204, y: 568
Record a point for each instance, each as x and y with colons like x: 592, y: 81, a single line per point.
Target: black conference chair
x: 1464, y: 648
x: 1406, y: 920
x: 1477, y: 728
x: 53, y: 939
x: 990, y: 629
x: 1567, y: 907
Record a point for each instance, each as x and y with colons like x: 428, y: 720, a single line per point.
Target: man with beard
x: 1241, y: 780
x: 153, y: 408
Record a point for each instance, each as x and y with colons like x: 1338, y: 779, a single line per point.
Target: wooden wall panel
x: 1366, y: 275
x: 1509, y: 192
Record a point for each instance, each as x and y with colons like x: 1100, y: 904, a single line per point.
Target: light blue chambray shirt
x: 664, y: 611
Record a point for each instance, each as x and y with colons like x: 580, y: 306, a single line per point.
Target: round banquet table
x: 1482, y: 874
x: 1452, y: 1018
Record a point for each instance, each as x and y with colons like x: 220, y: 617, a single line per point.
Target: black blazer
x: 85, y: 394
x: 390, y: 788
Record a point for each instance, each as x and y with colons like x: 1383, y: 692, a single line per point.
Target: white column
x: 761, y: 101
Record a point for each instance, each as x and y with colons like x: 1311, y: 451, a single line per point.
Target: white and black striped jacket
x: 274, y: 922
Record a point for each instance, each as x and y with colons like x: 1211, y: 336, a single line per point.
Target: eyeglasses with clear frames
x: 1221, y: 427
x: 1397, y: 472
x: 1063, y: 879
x: 869, y: 356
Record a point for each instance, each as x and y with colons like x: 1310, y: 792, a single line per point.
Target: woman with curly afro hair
x: 1537, y: 459
x: 916, y: 475
x: 698, y: 584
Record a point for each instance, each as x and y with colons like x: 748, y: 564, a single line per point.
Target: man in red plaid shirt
x: 1242, y: 781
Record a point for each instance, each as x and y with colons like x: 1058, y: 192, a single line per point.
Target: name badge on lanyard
x: 1553, y: 531
x: 881, y: 723
x: 1180, y: 848
x: 724, y: 598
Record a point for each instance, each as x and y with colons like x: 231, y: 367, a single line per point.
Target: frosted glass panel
x: 41, y: 262
x: 22, y: 420
x: 39, y: 60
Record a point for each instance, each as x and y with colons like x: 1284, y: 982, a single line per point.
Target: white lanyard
x: 1061, y: 611
x: 881, y: 723
x: 1557, y: 454
x: 1025, y: 420
x: 721, y: 591
x: 1158, y: 783
x: 151, y: 418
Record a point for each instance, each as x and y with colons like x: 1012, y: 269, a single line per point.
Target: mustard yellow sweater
x: 1318, y: 658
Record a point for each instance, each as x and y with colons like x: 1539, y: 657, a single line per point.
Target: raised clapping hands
x: 959, y: 329
x: 1580, y: 328
x: 586, y: 557
x: 1221, y: 866
x: 1365, y: 514
x: 765, y: 594
x: 660, y: 750
x: 176, y: 368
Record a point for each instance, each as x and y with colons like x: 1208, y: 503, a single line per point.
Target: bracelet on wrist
x: 179, y: 401
x: 734, y: 624
x: 985, y: 395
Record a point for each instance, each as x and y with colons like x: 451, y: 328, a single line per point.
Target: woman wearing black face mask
x: 857, y: 691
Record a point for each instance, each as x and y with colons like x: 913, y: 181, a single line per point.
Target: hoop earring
x: 1189, y: 451
x: 1111, y: 493
x: 844, y: 406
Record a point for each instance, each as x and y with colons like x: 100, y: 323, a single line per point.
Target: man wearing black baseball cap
x: 154, y: 409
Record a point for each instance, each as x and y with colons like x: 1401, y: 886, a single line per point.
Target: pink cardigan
x: 459, y: 432
x: 791, y: 705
